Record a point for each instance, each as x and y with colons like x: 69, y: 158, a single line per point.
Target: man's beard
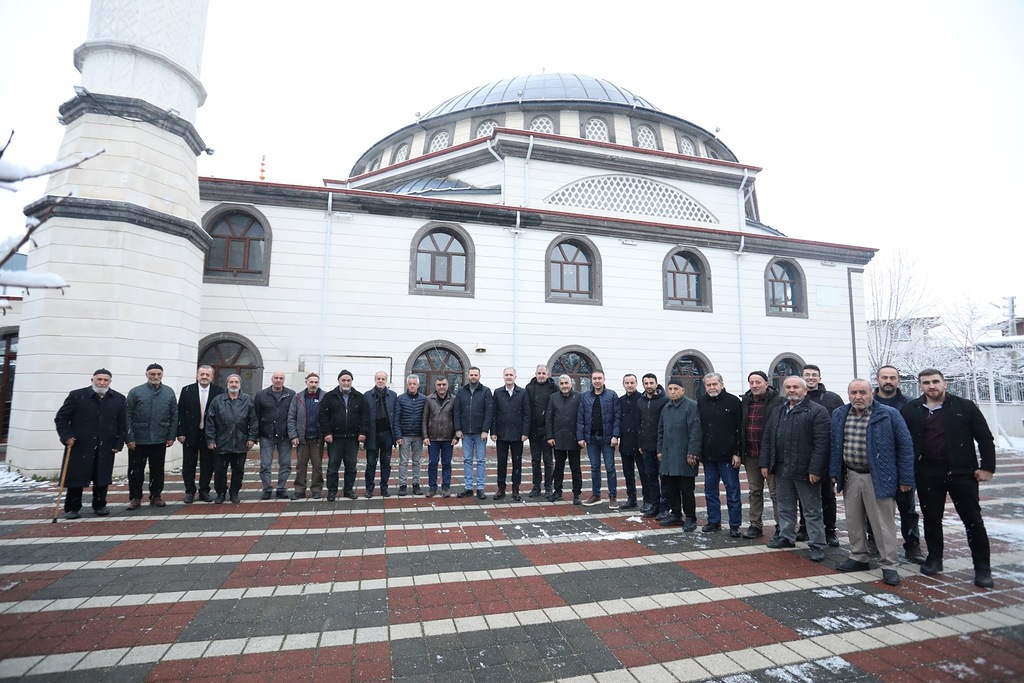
x: 100, y: 390
x: 234, y: 392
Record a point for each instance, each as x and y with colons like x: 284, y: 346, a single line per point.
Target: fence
x: 1006, y: 390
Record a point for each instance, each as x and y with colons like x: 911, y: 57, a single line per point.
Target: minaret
x: 128, y: 239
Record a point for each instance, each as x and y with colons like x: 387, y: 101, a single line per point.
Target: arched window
x: 439, y: 141
x: 785, y: 289
x: 442, y: 261
x: 687, y: 281
x: 401, y: 153
x: 690, y: 366
x: 596, y: 129
x: 486, y: 128
x: 542, y: 124
x: 240, y: 252
x: 9, y: 349
x: 434, y: 360
x: 573, y: 271
x: 577, y: 362
x: 785, y: 365
x: 686, y: 146
x: 232, y: 354
x: 374, y: 165
x: 646, y: 138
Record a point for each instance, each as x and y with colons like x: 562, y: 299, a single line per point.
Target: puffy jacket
x: 539, y: 395
x: 561, y: 420
x: 390, y: 400
x: 408, y: 416
x: 721, y: 423
x: 439, y: 417
x: 343, y: 421
x: 298, y: 419
x: 800, y: 440
x: 773, y: 400
x: 272, y: 412
x: 152, y: 414
x: 890, y: 450
x: 511, y: 414
x: 648, y: 411
x: 611, y: 416
x: 630, y: 423
x: 965, y: 426
x: 679, y: 435
x: 474, y: 410
x: 829, y: 400
x: 231, y: 423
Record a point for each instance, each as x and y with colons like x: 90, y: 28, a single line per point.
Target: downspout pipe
x: 740, y: 205
x: 501, y: 160
x: 325, y: 279
x: 515, y: 257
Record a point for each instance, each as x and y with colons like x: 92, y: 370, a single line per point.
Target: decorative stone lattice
x: 686, y: 147
x: 596, y: 129
x: 486, y: 128
x: 542, y: 124
x: 631, y: 194
x: 402, y: 154
x: 645, y: 138
x: 439, y: 141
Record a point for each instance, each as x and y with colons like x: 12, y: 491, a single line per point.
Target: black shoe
x: 753, y: 532
x: 931, y: 567
x: 480, y: 495
x: 445, y: 492
x: 235, y: 498
x: 555, y: 496
x: 220, y: 499
x: 649, y: 513
x: 831, y: 539
x: 891, y: 577
x: 535, y: 493
x: 317, y: 495
x: 331, y: 496
x: 431, y: 492
x: 465, y: 494
x: 983, y: 577
x: 817, y: 553
x: 781, y: 542
x: 672, y: 520
x: 71, y: 514
x: 189, y: 497
x: 915, y: 555
x: 628, y: 505
x: 206, y: 497
x: 576, y: 500
x: 385, y: 492
x: 734, y: 532
x: 267, y: 495
x: 516, y: 498
x: 801, y: 534
x: 415, y: 489
x: 403, y: 490
x: 101, y: 512
x: 851, y: 565
x: 711, y: 526
x: 351, y: 495
x: 281, y: 493
x: 368, y: 494
x: 778, y: 532
x: 499, y: 495
x: 690, y: 525
x: 662, y: 515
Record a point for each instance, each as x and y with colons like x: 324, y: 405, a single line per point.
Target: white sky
x: 881, y: 124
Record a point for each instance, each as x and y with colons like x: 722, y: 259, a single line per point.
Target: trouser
x: 343, y: 449
x: 73, y: 498
x: 679, y: 492
x: 755, y: 492
x: 474, y: 459
x: 268, y: 447
x: 221, y: 462
x: 193, y: 454
x: 632, y: 463
x: 650, y: 476
x: 792, y: 492
x: 598, y: 451
x: 541, y: 452
x: 828, y: 505
x: 309, y: 454
x: 504, y: 448
x: 860, y: 502
x: 558, y: 476
x: 730, y: 477
x: 909, y: 529
x: 410, y: 452
x: 932, y: 489
x: 154, y: 454
x: 439, y: 451
x: 381, y: 453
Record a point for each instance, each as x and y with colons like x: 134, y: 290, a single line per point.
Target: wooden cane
x: 63, y: 473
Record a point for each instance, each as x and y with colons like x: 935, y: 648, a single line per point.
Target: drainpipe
x: 739, y: 275
x: 516, y: 231
x: 501, y: 160
x: 325, y: 278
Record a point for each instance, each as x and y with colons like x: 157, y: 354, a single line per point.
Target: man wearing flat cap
x: 91, y: 424
x: 152, y: 410
x: 344, y: 422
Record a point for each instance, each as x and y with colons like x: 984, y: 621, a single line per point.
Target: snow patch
x: 883, y: 599
x: 15, y: 480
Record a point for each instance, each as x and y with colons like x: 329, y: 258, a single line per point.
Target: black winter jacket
x: 511, y: 414
x: 561, y: 420
x: 272, y: 412
x: 721, y: 426
x: 629, y: 443
x: 343, y: 421
x: 648, y: 411
x: 797, y: 444
x: 965, y: 426
x: 408, y: 415
x: 539, y: 395
x: 474, y: 410
x: 98, y: 426
x: 829, y: 400
x: 231, y: 423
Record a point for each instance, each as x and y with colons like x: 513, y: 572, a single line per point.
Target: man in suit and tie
x: 192, y: 405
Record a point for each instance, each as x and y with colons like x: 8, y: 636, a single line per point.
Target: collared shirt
x: 855, y: 440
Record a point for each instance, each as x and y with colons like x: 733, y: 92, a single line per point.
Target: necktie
x: 202, y: 407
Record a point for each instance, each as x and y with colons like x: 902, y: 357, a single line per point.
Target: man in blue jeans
x: 439, y: 431
x: 474, y: 412
x: 721, y: 423
x: 598, y: 427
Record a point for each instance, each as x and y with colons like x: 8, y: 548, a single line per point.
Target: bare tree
x: 964, y: 322
x: 896, y: 299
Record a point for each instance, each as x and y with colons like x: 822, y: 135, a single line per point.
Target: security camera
x: 480, y: 348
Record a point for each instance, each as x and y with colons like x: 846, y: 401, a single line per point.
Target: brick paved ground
x: 418, y: 589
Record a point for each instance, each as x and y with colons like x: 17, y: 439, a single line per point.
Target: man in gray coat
x: 152, y: 414
x: 561, y: 431
x: 679, y: 444
x: 272, y: 412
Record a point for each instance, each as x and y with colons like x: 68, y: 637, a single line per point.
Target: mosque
x: 551, y: 218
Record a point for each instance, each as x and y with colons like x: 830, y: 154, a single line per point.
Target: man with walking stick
x: 91, y: 424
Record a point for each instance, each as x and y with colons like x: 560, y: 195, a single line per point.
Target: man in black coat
x: 829, y: 400
x: 945, y: 429
x: 629, y: 444
x: 272, y: 406
x: 92, y: 423
x: 510, y: 429
x: 561, y: 431
x: 193, y: 402
x: 721, y: 421
x: 539, y: 391
x: 648, y: 412
x: 344, y: 422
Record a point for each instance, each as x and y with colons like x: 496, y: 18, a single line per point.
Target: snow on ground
x: 15, y: 480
